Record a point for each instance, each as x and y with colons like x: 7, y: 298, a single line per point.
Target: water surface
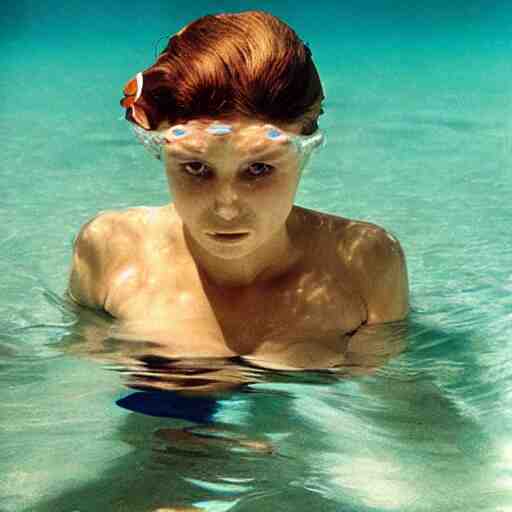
x: 418, y: 117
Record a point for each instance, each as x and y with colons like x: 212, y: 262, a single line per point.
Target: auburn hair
x: 249, y: 63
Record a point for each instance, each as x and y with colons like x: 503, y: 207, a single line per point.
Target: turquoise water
x: 418, y: 118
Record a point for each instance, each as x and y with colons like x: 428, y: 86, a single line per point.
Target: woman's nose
x: 226, y: 203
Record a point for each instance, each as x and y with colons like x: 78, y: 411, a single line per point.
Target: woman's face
x: 233, y: 191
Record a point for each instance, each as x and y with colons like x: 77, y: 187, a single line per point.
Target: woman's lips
x: 228, y: 237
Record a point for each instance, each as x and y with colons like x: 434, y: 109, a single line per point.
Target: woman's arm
x: 93, y: 258
x: 377, y: 264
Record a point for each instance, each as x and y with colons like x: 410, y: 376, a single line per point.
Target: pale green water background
x: 419, y: 122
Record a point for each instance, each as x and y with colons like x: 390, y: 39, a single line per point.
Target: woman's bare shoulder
x: 109, y: 225
x: 369, y: 256
x: 342, y: 229
x: 375, y: 260
x: 111, y: 242
x: 314, y: 222
x: 361, y: 240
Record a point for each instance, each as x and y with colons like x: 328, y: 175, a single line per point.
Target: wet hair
x: 249, y: 63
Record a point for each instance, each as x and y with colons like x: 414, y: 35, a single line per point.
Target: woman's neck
x: 272, y: 259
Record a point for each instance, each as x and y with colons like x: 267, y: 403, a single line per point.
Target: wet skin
x: 232, y: 267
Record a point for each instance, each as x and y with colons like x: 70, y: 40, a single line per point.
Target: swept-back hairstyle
x: 248, y: 63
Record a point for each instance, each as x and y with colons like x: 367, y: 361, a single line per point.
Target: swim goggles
x: 155, y: 141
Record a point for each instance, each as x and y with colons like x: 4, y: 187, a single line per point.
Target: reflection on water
x: 422, y: 429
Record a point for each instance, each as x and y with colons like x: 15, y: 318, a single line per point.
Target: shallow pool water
x: 418, y: 120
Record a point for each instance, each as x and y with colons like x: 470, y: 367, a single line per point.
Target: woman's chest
x: 313, y: 305
x: 308, y: 305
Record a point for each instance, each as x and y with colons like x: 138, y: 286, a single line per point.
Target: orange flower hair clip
x: 132, y: 92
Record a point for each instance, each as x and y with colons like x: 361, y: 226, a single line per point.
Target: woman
x: 232, y: 267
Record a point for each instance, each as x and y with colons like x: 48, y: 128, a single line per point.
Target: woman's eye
x: 257, y: 169
x: 196, y: 169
